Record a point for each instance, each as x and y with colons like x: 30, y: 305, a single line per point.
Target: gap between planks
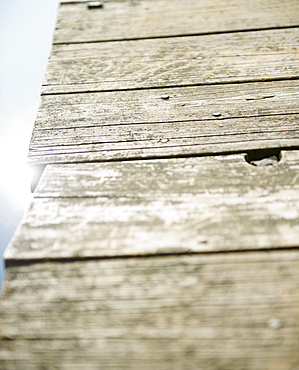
x: 28, y: 262
x: 176, y: 35
x: 236, y: 82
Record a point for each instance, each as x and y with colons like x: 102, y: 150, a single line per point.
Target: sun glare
x: 15, y: 174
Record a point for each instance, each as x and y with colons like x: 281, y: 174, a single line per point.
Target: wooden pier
x: 164, y: 230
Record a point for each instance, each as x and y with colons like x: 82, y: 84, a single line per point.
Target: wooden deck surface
x: 164, y: 231
x: 211, y: 311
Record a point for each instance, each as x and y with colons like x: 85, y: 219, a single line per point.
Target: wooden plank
x: 168, y: 178
x: 126, y: 124
x: 176, y: 61
x: 133, y: 141
x: 148, y: 18
x: 161, y: 207
x: 232, y: 311
x: 167, y: 105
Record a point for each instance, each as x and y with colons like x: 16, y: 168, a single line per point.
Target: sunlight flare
x: 14, y: 170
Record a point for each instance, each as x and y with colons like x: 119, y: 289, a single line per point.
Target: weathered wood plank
x: 160, y: 207
x: 119, y: 142
x: 119, y: 125
x: 232, y: 311
x: 202, y: 311
x: 221, y: 58
x: 148, y: 18
x: 167, y: 105
x: 169, y: 178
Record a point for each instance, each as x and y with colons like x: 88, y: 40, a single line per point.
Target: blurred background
x: 26, y: 32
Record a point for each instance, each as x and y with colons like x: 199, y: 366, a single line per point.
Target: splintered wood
x: 163, y: 232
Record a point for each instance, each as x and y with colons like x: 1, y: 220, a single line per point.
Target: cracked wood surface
x: 161, y: 263
x: 175, y: 61
x: 167, y: 122
x: 184, y: 205
x: 155, y: 18
x: 132, y: 141
x: 68, y: 111
x: 229, y: 311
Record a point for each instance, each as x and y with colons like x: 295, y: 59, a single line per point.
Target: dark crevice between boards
x: 32, y: 261
x: 169, y: 156
x: 221, y: 32
x: 175, y: 86
x: 263, y: 157
x: 37, y: 171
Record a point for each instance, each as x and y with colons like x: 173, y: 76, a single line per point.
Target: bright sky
x: 26, y: 29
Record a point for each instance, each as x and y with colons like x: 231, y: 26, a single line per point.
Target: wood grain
x: 185, y: 205
x: 171, y: 264
x: 176, y: 61
x: 136, y: 141
x: 166, y: 122
x: 155, y: 18
x: 232, y: 311
x: 167, y: 105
